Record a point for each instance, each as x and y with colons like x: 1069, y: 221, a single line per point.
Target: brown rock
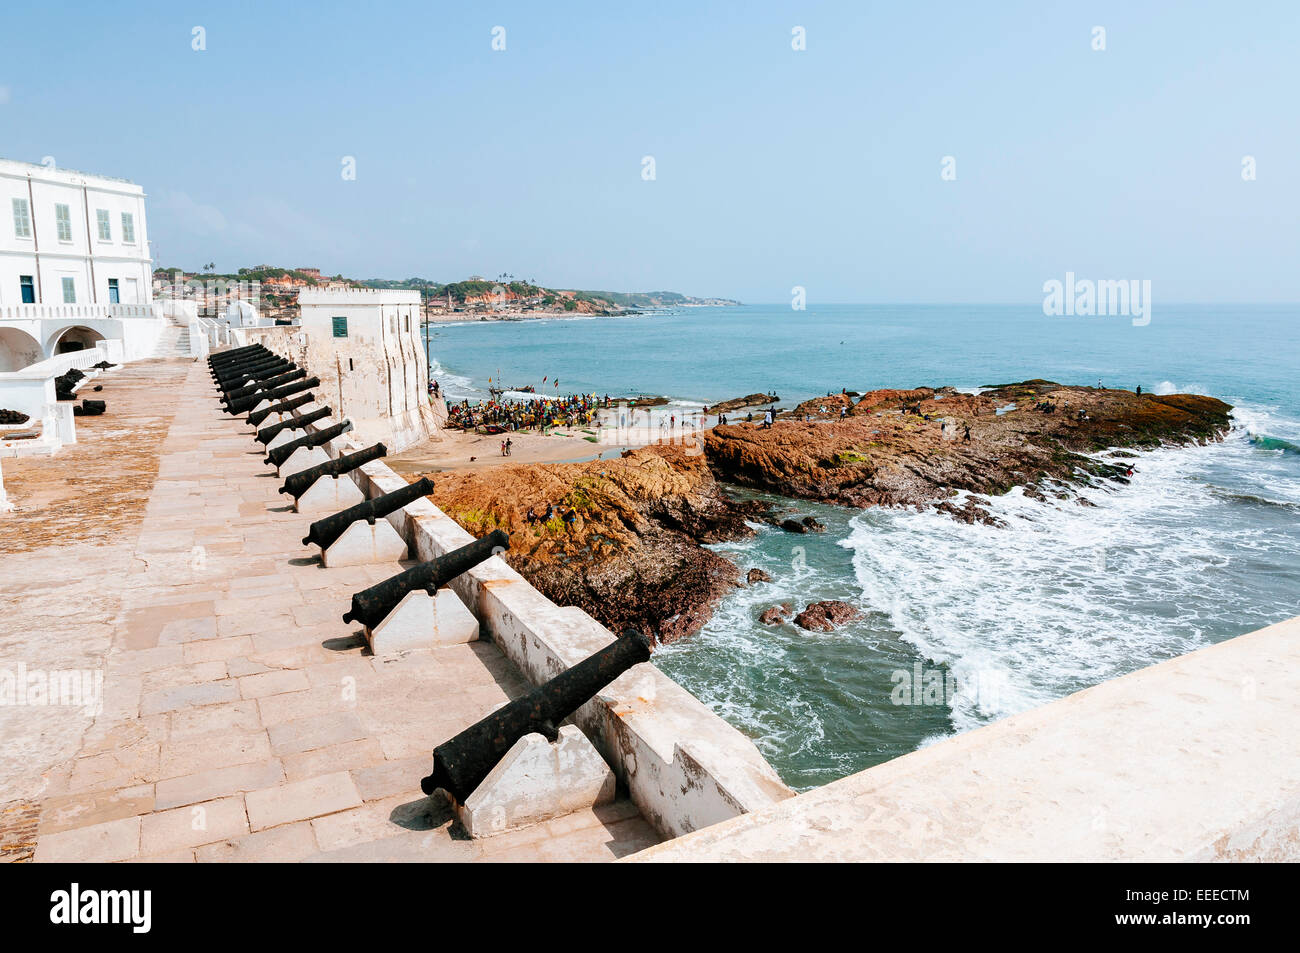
x: 825, y: 616
x: 774, y: 616
x: 757, y: 575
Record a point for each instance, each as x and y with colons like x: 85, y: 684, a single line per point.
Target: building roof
x: 15, y: 167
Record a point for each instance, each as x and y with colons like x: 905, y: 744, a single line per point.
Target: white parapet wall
x: 1194, y: 759
x: 685, y: 768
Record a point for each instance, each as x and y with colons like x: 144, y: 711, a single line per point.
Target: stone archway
x: 75, y: 338
x: 18, y: 349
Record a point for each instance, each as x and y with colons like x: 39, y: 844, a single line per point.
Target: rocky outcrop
x: 887, y: 453
x: 826, y: 616
x: 630, y: 552
x: 626, y: 539
x: 739, y: 403
x: 776, y: 615
x: 757, y: 575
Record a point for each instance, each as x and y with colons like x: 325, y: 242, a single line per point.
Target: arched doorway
x: 18, y: 349
x: 74, y: 339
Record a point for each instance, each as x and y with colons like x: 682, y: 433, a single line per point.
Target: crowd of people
x: 541, y: 413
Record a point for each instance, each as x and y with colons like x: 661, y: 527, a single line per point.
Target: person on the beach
x: 509, y: 445
x: 767, y: 420
x: 966, y: 435
x: 1139, y: 390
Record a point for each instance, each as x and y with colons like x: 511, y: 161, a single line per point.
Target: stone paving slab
x: 242, y: 719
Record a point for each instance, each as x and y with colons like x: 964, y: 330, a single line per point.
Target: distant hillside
x: 657, y: 299
x: 480, y: 289
x: 474, y: 291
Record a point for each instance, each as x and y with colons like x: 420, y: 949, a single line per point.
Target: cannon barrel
x: 267, y: 383
x: 234, y: 354
x: 280, y: 393
x: 248, y: 360
x: 298, y: 483
x: 259, y: 373
x: 257, y: 416
x: 370, y: 606
x: 461, y: 764
x: 277, y: 455
x: 237, y: 375
x: 250, y: 375
x: 324, y: 532
x: 267, y: 434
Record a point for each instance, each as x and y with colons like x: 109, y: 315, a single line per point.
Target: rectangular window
x: 105, y: 230
x: 128, y: 228
x: 69, y: 291
x: 22, y: 219
x: 63, y: 218
x: 28, y: 289
x: 114, y: 296
x: 340, y: 327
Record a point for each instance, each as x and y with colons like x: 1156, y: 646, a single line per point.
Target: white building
x: 75, y: 266
x: 365, y: 346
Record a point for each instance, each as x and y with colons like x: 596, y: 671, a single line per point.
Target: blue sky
x: 774, y: 168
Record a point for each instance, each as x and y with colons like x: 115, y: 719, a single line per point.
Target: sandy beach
x: 455, y: 450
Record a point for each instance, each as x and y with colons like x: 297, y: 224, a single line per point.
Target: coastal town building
x: 74, y: 265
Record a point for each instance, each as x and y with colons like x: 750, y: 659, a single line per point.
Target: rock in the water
x: 757, y: 575
x: 793, y: 526
x: 775, y: 615
x: 825, y: 616
x: 813, y: 525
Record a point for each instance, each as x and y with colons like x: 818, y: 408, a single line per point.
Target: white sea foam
x: 1067, y: 595
x: 454, y: 386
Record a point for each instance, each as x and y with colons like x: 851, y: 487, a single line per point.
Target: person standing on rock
x: 767, y: 419
x: 966, y: 435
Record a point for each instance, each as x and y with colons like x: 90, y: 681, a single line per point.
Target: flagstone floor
x: 242, y: 719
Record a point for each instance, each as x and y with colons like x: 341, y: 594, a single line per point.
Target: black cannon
x: 267, y: 434
x: 298, y: 483
x: 251, y: 360
x: 243, y: 374
x: 461, y: 764
x: 262, y: 372
x: 266, y: 383
x: 280, y: 393
x: 222, y: 358
x: 277, y: 455
x: 324, y: 532
x: 371, y: 606
x: 257, y: 416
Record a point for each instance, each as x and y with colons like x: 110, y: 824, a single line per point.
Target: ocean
x: 961, y: 624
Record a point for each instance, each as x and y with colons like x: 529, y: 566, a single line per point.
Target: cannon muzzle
x: 298, y: 483
x: 371, y: 606
x: 461, y: 764
x: 324, y: 532
x: 277, y: 455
